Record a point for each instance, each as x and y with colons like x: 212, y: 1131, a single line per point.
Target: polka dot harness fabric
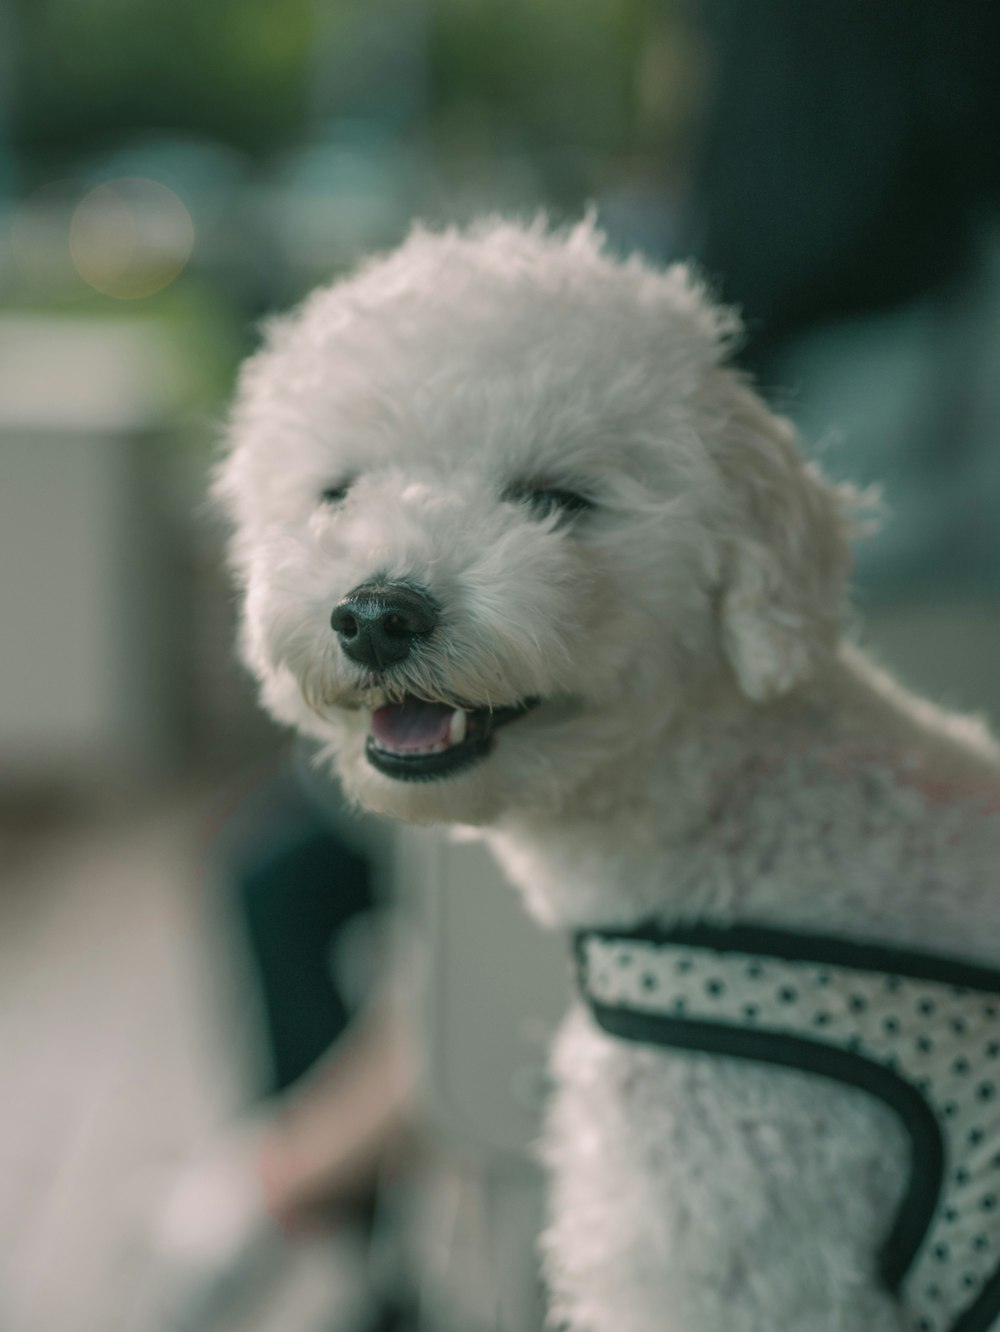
x: 920, y: 1032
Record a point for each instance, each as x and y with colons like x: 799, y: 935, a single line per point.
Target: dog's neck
x: 720, y: 816
x: 628, y: 844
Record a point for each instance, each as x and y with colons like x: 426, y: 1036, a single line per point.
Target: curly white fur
x: 706, y: 745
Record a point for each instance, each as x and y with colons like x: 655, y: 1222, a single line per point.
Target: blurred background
x: 190, y: 925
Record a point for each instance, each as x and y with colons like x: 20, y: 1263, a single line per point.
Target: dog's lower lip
x: 427, y: 765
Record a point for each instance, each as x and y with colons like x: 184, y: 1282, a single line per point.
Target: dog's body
x: 521, y: 478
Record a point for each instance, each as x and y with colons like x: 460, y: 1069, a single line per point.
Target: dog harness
x: 919, y: 1032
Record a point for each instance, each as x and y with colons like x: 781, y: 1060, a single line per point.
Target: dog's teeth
x: 457, y: 727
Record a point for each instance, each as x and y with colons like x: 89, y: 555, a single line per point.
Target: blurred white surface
x: 84, y: 376
x: 82, y: 674
x: 493, y: 989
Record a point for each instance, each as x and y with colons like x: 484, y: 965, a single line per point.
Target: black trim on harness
x: 920, y: 1199
x: 982, y: 1314
x: 917, y: 1208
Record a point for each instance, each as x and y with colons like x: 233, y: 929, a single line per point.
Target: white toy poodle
x: 524, y: 553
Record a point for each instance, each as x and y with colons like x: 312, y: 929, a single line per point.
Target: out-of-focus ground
x: 111, y: 1049
x: 125, y: 1045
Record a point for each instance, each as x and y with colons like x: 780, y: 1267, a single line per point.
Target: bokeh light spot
x: 131, y: 237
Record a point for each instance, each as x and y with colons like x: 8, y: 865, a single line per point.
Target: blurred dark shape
x: 849, y: 151
x: 844, y: 200
x: 304, y: 901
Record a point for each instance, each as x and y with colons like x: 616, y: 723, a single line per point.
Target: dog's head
x: 500, y: 509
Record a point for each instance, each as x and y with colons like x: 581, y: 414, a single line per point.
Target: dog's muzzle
x: 412, y: 739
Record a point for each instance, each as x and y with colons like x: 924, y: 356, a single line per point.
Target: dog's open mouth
x: 416, y: 740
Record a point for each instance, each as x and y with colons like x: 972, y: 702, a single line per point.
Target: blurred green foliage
x: 231, y: 69
x: 546, y: 73
x: 552, y: 72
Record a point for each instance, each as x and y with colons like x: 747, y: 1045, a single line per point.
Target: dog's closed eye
x: 336, y: 493
x: 545, y: 500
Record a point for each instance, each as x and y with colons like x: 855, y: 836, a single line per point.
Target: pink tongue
x: 411, y: 725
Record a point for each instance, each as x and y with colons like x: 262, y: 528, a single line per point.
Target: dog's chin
x: 470, y: 795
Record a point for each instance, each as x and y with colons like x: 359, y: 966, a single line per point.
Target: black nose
x: 377, y: 624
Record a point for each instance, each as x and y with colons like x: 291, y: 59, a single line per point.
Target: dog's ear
x: 786, y: 533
